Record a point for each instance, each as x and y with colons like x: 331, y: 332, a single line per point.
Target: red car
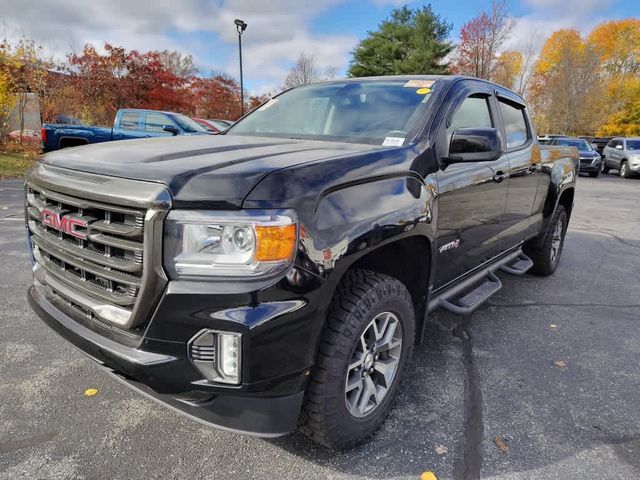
x: 215, y: 126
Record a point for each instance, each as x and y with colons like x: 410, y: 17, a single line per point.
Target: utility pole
x: 241, y: 26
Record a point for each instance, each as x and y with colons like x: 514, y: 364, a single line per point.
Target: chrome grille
x: 97, y: 264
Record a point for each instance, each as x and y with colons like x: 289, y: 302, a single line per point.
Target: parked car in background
x: 590, y: 160
x: 27, y: 135
x: 129, y: 123
x: 597, y: 142
x: 213, y: 126
x: 548, y: 137
x: 622, y: 154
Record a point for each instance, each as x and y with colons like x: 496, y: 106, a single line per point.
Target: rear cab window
x: 515, y: 122
x: 130, y: 120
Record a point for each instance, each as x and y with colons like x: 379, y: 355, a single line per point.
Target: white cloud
x: 278, y: 30
x: 539, y: 24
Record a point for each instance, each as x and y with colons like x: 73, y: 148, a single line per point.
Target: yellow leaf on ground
x: 441, y: 449
x: 90, y: 392
x: 428, y: 476
x: 502, y: 446
x: 553, y: 326
x: 560, y: 364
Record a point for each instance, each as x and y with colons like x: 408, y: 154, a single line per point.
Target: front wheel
x: 545, y: 252
x: 362, y: 356
x: 624, y: 169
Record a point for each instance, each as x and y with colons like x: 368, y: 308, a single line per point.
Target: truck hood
x: 212, y: 171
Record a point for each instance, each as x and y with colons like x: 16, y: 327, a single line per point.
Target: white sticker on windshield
x: 393, y: 142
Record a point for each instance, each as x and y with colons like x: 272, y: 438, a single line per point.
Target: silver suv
x: 622, y: 154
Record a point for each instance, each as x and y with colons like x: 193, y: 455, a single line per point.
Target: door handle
x: 500, y: 176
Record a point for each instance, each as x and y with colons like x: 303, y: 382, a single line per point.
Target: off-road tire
x: 539, y: 249
x: 360, y: 297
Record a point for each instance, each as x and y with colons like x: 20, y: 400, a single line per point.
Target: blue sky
x: 279, y: 30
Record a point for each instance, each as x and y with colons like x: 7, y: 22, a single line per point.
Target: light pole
x: 241, y: 26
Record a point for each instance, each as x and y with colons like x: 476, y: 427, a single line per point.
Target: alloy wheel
x: 556, y: 240
x: 373, y: 365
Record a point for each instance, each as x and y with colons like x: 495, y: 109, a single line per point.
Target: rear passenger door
x: 471, y: 195
x: 524, y: 171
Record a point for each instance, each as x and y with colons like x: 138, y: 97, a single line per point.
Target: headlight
x: 244, y: 244
x: 635, y: 159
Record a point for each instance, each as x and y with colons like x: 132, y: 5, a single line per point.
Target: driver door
x: 471, y: 195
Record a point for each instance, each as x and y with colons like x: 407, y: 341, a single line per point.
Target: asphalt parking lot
x: 545, y: 385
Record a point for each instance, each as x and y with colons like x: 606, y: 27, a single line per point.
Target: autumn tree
x: 507, y: 68
x: 408, y: 42
x: 480, y: 41
x: 304, y: 71
x: 180, y: 65
x: 566, y: 85
x: 617, y: 46
x: 7, y: 97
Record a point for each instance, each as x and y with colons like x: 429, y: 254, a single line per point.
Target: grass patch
x: 15, y: 164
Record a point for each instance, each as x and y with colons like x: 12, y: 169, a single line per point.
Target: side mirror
x: 171, y: 129
x: 474, y: 145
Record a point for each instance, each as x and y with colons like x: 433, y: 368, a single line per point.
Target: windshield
x: 579, y: 144
x: 188, y: 125
x: 377, y: 112
x: 633, y: 144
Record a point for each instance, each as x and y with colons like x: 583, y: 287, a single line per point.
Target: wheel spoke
x: 355, y: 382
x: 365, y: 396
x: 387, y: 370
x: 389, y: 342
x: 357, y: 360
x: 382, y: 329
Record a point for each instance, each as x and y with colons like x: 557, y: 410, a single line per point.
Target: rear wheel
x: 624, y: 170
x: 605, y: 169
x: 361, y: 360
x: 546, y: 251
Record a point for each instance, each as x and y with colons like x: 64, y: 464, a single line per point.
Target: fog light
x: 217, y: 355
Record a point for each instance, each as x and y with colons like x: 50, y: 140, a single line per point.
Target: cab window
x: 129, y: 120
x: 515, y: 124
x: 156, y: 121
x: 474, y: 112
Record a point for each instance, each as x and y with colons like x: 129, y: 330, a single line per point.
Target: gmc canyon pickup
x: 278, y: 275
x: 129, y: 124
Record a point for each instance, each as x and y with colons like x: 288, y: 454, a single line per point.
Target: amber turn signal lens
x: 275, y: 243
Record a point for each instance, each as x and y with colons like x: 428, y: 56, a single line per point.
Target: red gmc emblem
x: 64, y: 223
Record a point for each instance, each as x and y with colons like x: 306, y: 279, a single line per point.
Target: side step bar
x: 465, y: 297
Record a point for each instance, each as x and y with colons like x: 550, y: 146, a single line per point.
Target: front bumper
x: 161, y: 370
x: 590, y: 166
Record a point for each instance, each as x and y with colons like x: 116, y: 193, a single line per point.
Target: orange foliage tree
x: 617, y: 46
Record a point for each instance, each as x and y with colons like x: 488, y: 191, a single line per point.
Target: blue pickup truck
x: 129, y: 123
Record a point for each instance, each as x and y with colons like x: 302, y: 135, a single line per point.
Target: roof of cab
x: 509, y: 94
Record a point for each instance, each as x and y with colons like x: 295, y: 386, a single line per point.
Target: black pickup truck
x: 279, y: 275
